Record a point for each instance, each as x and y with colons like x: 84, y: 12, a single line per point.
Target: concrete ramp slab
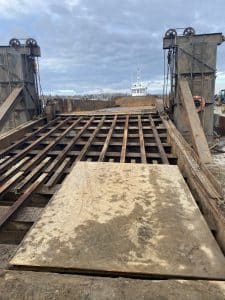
x: 123, y: 218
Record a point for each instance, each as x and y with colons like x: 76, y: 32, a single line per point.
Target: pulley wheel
x: 189, y: 31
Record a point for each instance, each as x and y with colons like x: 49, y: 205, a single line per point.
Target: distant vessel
x: 139, y: 88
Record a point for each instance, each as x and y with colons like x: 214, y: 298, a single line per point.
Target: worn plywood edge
x: 205, y: 188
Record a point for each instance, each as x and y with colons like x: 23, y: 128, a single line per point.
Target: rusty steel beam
x: 6, y: 186
x: 14, y: 168
x: 15, y: 134
x: 90, y: 140
x: 44, y: 152
x: 23, y: 152
x: 53, y: 179
x: 33, y: 174
x: 124, y: 145
x: 63, y: 154
x: 142, y: 142
x: 158, y: 142
x: 26, y: 138
x: 106, y: 144
x: 21, y: 200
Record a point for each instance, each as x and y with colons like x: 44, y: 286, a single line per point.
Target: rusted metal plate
x: 16, y: 285
x: 123, y: 218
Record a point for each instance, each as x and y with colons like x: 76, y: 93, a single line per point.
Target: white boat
x: 139, y: 88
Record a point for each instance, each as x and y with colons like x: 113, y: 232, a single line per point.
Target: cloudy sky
x: 95, y: 45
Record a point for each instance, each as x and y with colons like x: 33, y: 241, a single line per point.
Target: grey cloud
x: 99, y: 43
